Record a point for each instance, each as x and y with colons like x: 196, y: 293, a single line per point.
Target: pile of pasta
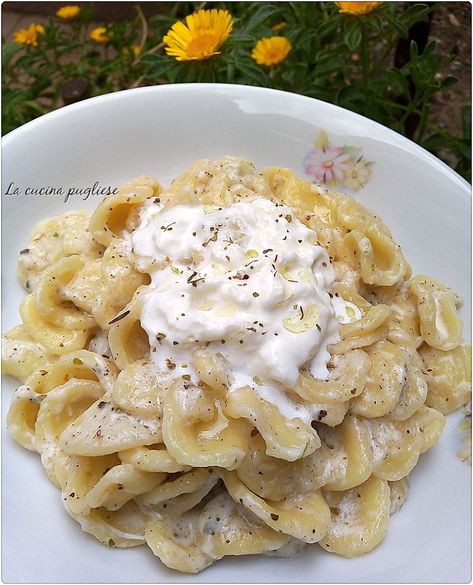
x: 197, y: 471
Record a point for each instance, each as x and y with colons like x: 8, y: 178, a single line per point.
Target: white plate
x: 160, y: 131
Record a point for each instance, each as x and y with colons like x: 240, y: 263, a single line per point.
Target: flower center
x: 328, y: 164
x: 204, y: 44
x: 354, y: 174
x: 274, y: 55
x: 30, y: 38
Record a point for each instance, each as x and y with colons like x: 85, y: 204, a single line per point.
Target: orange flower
x: 67, y: 12
x: 271, y: 51
x: 100, y: 35
x: 357, y: 8
x: 279, y: 26
x: 29, y: 36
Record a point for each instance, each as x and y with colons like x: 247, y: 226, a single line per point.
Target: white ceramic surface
x: 160, y: 131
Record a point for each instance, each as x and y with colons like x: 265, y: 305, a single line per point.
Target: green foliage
x: 344, y: 59
x: 441, y: 140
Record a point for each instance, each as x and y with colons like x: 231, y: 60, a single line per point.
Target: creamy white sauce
x: 248, y: 281
x: 346, y: 312
x: 384, y: 437
x: 291, y: 550
x: 347, y: 517
x: 99, y: 344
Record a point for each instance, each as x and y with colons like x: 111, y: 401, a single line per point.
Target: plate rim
x: 227, y: 88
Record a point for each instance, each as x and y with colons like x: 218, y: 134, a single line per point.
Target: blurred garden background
x: 406, y: 65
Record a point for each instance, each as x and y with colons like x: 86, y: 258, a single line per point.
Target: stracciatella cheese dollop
x: 248, y: 281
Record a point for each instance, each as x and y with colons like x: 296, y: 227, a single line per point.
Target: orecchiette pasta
x: 363, y: 332
x: 448, y: 376
x: 360, y: 518
x: 437, y: 305
x: 21, y: 354
x: 236, y: 380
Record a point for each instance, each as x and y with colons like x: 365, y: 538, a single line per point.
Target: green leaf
x: 352, y: 36
x: 172, y: 74
x: 305, y: 39
x: 35, y: 106
x: 318, y: 91
x: 203, y: 72
x: 329, y: 65
x: 376, y: 22
x: 414, y: 13
x: 397, y: 81
x: 161, y: 20
x: 350, y: 96
x: 294, y: 74
x: 444, y: 139
x: 239, y: 38
x: 154, y: 59
x: 230, y: 73
x: 429, y: 50
x: 262, y: 14
x: 397, y: 24
x: 414, y: 51
x: 82, y: 68
x: 252, y: 72
x: 329, y: 28
x: 182, y: 75
x: 86, y: 14
x: 448, y: 82
x: 9, y: 50
x: 159, y: 65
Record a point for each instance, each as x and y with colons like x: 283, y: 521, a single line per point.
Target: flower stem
x: 144, y: 28
x: 151, y: 51
x: 423, y: 122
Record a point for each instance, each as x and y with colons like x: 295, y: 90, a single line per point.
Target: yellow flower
x: 29, y: 36
x: 133, y: 51
x: 100, y: 34
x: 357, y: 8
x: 279, y: 26
x: 68, y: 12
x: 271, y: 51
x: 201, y: 37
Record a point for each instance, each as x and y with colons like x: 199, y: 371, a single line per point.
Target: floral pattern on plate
x: 337, y: 166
